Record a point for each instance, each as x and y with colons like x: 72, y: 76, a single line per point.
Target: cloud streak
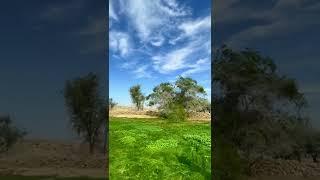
x: 283, y: 17
x: 164, y: 37
x: 119, y: 42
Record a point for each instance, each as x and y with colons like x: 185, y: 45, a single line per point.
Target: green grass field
x: 156, y: 149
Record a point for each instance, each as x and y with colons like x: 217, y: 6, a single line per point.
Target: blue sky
x: 43, y: 44
x: 156, y: 41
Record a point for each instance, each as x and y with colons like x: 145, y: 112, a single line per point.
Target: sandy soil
x: 42, y: 157
x: 286, y: 169
x: 131, y: 112
x: 284, y: 178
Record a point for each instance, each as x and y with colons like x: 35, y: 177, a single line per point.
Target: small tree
x: 9, y: 134
x: 112, y: 104
x: 137, y: 97
x: 86, y: 107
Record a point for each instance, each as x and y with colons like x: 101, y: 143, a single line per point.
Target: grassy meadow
x: 158, y: 149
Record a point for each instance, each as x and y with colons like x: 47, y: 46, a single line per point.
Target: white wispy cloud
x: 173, y: 60
x: 142, y: 72
x: 150, y: 18
x: 157, y: 41
x: 191, y: 28
x: 119, y: 42
x: 184, y: 57
x: 128, y: 64
x: 112, y: 13
x: 200, y: 66
x: 154, y: 24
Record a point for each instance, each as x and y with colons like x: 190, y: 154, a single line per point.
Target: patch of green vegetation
x: 158, y: 149
x: 47, y: 178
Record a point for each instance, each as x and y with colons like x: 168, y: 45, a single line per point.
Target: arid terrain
x: 131, y: 112
x: 52, y: 158
x: 285, y: 169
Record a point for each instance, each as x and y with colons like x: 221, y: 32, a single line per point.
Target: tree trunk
x: 91, y: 147
x: 314, y: 158
x: 105, y: 139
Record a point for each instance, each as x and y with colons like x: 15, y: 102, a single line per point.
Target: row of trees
x: 176, y: 100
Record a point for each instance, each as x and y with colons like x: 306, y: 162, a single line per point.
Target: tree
x: 137, y: 97
x: 179, y: 99
x: 86, y: 107
x: 112, y: 104
x: 162, y: 95
x: 9, y: 134
x: 255, y: 107
x: 312, y: 145
x: 189, y: 93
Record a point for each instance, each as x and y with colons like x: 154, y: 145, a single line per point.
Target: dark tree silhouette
x: 88, y: 110
x: 9, y: 134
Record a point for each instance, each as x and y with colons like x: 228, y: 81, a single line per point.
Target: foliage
x: 86, y: 107
x: 257, y: 111
x: 9, y: 134
x: 185, y: 94
x: 162, y: 96
x: 312, y: 145
x: 188, y: 92
x: 112, y: 104
x: 227, y: 164
x: 137, y: 97
x: 157, y: 149
x: 175, y: 112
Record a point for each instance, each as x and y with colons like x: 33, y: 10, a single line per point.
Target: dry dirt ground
x: 286, y: 169
x: 284, y: 178
x: 131, y: 112
x: 52, y: 158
